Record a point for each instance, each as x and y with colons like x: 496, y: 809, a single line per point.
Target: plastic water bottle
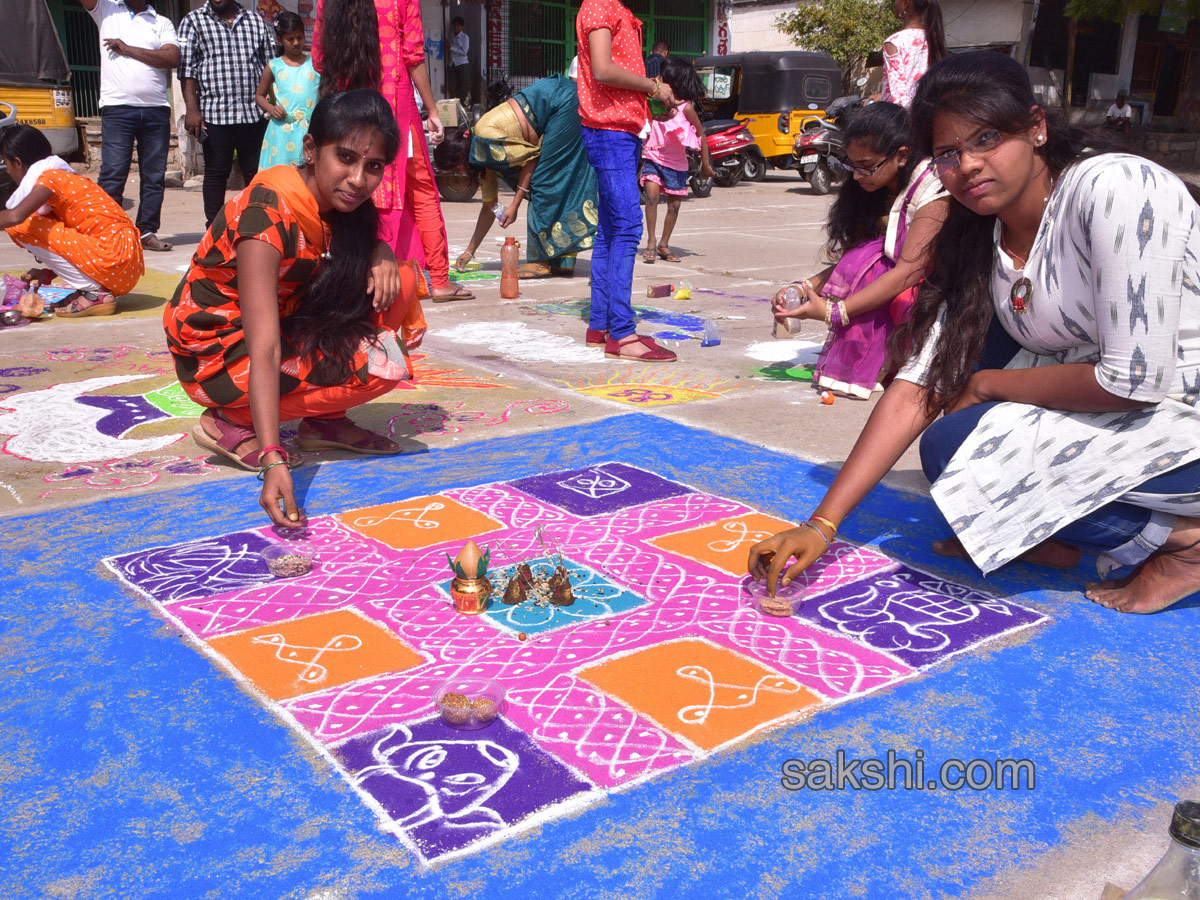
x: 793, y: 300
x: 712, y: 336
x: 510, y: 254
x: 1177, y: 875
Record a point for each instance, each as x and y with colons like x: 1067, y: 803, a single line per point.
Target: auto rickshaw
x: 34, y: 76
x: 774, y: 94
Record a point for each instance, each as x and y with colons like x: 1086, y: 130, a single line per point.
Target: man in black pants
x: 224, y: 51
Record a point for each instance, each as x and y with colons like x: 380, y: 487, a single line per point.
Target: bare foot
x: 1169, y: 575
x: 1052, y: 553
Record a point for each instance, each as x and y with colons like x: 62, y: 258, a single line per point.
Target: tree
x: 848, y: 30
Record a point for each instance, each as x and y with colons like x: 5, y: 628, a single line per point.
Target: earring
x: 1041, y: 139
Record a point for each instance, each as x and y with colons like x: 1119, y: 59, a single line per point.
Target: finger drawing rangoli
x: 663, y: 658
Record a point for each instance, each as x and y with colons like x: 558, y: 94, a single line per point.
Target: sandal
x: 78, y: 304
x: 614, y: 349
x: 534, y: 270
x: 328, y: 431
x: 648, y: 256
x: 596, y: 337
x: 666, y: 254
x: 457, y: 294
x: 232, y: 437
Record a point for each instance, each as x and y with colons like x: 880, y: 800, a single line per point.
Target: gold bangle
x: 657, y: 87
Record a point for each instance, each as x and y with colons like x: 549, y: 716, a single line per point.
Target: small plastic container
x: 792, y: 301
x: 785, y: 601
x: 469, y: 703
x: 289, y: 560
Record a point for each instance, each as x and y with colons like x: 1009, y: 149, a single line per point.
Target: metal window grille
x: 530, y: 39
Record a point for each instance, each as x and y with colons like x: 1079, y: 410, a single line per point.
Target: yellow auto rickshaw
x: 34, y: 76
x: 773, y: 94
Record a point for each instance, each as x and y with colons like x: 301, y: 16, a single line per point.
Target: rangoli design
x: 662, y: 660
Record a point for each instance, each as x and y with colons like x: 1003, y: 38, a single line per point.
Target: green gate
x: 541, y: 33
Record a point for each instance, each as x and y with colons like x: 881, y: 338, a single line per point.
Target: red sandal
x: 613, y: 349
x: 232, y: 437
x: 329, y: 429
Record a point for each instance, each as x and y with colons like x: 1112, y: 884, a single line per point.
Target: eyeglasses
x: 864, y: 171
x: 984, y: 142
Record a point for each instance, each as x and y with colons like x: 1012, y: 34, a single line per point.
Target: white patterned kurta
x: 1115, y: 269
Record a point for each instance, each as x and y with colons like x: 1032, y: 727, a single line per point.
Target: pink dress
x: 904, y: 68
x: 402, y: 44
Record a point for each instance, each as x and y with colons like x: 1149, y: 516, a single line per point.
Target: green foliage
x: 848, y: 30
x: 1117, y: 10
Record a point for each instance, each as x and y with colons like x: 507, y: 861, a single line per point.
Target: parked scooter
x: 729, y: 144
x: 821, y: 147
x: 457, y: 180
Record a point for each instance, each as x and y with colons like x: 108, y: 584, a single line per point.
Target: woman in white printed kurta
x: 1090, y: 432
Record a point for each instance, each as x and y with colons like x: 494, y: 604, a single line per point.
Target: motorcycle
x: 821, y: 146
x: 700, y: 186
x: 729, y: 145
x: 457, y: 181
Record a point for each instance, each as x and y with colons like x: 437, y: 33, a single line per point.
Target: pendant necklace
x: 1021, y: 294
x: 327, y: 253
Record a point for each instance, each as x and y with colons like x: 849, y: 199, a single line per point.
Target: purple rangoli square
x: 914, y: 617
x: 201, y: 568
x: 446, y: 790
x: 603, y: 488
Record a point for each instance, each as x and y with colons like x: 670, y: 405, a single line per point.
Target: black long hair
x: 350, y: 44
x: 285, y: 23
x: 683, y: 78
x: 991, y: 90
x: 24, y: 143
x: 935, y: 32
x: 334, y: 312
x: 858, y: 215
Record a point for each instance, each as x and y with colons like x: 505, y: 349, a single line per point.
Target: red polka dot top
x: 601, y: 106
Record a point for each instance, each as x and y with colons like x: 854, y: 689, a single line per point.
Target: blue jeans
x: 150, y: 128
x: 614, y: 155
x: 1125, y: 533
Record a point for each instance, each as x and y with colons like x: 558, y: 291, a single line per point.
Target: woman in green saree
x: 532, y: 142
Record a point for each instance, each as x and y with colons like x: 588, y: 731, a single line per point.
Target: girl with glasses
x: 1058, y: 331
x: 880, y: 228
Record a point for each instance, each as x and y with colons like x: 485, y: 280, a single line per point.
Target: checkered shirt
x: 226, y: 61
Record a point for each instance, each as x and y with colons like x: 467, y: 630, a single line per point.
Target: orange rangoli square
x: 725, y: 544
x: 420, y: 522
x: 706, y: 694
x: 314, y: 653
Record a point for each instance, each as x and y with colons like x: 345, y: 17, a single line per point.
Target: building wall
x: 973, y: 24
x: 752, y: 26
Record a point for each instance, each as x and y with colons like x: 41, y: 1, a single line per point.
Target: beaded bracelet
x: 262, y: 473
x: 828, y: 543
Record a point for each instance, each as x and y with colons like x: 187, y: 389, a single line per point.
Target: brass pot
x: 470, y: 595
